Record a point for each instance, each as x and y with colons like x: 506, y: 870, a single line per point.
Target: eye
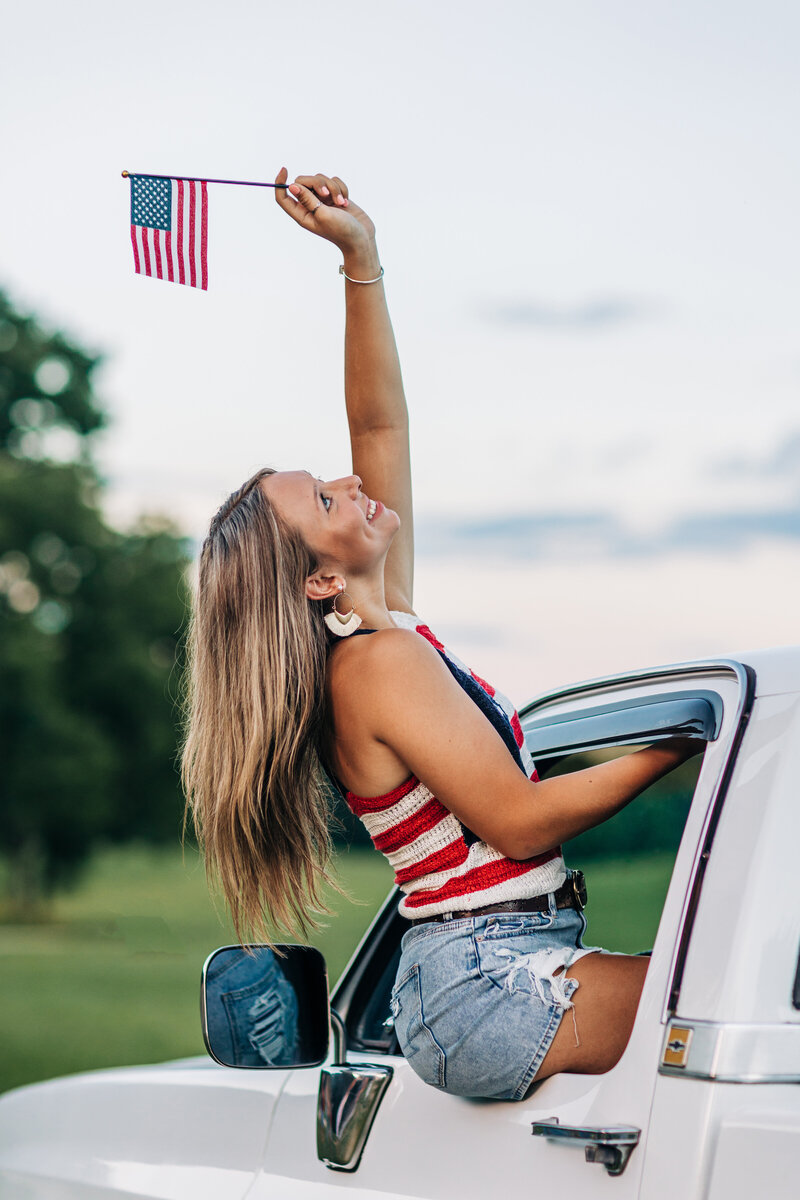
x: 326, y: 501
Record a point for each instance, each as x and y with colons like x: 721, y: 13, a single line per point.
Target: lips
x: 374, y: 509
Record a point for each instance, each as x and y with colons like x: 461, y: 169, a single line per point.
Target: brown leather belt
x: 571, y: 894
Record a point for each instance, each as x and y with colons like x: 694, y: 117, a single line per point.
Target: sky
x: 586, y: 213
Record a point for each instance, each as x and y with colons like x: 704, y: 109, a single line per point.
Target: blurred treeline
x: 90, y: 620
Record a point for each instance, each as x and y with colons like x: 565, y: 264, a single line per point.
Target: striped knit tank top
x: 438, y: 863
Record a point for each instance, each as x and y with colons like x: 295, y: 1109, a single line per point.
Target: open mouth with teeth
x: 372, y: 508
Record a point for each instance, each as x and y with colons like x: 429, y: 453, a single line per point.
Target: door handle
x: 611, y: 1145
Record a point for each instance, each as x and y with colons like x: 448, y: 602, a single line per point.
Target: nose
x: 351, y: 484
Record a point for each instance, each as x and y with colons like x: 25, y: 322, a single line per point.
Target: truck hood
x: 183, y: 1128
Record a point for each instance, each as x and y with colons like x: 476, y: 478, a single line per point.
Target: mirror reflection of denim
x: 251, y: 1010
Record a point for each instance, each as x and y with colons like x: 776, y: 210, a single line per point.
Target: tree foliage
x: 89, y: 622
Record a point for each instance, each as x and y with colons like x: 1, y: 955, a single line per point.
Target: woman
x: 426, y: 754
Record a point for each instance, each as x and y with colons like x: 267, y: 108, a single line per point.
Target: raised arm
x: 376, y: 406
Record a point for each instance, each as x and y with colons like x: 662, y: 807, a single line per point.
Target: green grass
x: 113, y: 978
x: 625, y: 901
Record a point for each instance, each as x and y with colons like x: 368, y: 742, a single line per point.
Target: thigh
x: 593, y: 1035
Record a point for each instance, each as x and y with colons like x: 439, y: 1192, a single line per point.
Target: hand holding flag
x: 321, y: 204
x: 169, y: 220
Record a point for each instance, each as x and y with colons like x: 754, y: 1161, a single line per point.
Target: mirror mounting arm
x: 338, y: 1039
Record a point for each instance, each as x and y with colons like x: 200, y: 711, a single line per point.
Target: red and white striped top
x: 425, y: 844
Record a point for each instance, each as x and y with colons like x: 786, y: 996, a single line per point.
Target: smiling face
x: 347, y: 531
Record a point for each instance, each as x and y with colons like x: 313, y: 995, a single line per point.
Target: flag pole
x: 197, y: 179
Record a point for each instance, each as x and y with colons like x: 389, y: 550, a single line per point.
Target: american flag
x: 169, y: 229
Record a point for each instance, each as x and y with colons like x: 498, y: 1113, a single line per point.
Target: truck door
x: 727, y: 1088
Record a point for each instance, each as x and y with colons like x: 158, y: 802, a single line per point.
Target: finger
x: 341, y: 188
x: 319, y: 184
x: 307, y: 201
x: 322, y: 186
x: 287, y: 201
x: 338, y: 192
x: 281, y: 192
x: 291, y: 200
x: 334, y: 184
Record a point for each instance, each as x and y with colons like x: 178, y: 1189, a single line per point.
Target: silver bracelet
x: 377, y: 278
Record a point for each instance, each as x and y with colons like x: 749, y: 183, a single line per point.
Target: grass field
x: 113, y: 977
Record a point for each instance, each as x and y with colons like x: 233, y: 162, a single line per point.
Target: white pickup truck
x: 705, y: 1101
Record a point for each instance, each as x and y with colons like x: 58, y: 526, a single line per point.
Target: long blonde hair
x: 255, y: 700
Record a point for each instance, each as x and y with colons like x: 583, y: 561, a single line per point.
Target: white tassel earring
x: 342, y: 624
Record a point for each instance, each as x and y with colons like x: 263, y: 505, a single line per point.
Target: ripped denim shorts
x: 476, y: 1003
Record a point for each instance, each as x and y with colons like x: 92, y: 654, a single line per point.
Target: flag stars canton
x: 151, y: 202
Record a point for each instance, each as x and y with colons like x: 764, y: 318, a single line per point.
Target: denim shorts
x: 476, y: 1004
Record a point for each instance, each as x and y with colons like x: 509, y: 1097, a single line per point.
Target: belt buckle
x: 578, y: 880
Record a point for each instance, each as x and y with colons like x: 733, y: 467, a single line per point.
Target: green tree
x: 89, y: 622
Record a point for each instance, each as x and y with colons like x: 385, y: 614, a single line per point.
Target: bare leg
x: 605, y: 1008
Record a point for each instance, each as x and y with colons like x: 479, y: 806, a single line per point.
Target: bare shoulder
x: 376, y: 684
x: 384, y: 657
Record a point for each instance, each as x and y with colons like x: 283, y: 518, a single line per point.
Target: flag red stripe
x: 478, y: 879
x: 519, y: 736
x: 137, y: 264
x: 204, y: 236
x: 168, y: 256
x: 425, y: 819
x: 146, y: 251
x: 157, y: 249
x: 192, y: 218
x: 181, y: 270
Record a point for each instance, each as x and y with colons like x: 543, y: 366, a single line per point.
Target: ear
x: 320, y: 586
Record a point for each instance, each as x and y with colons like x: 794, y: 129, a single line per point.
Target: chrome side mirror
x: 269, y: 1007
x: 266, y: 1007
